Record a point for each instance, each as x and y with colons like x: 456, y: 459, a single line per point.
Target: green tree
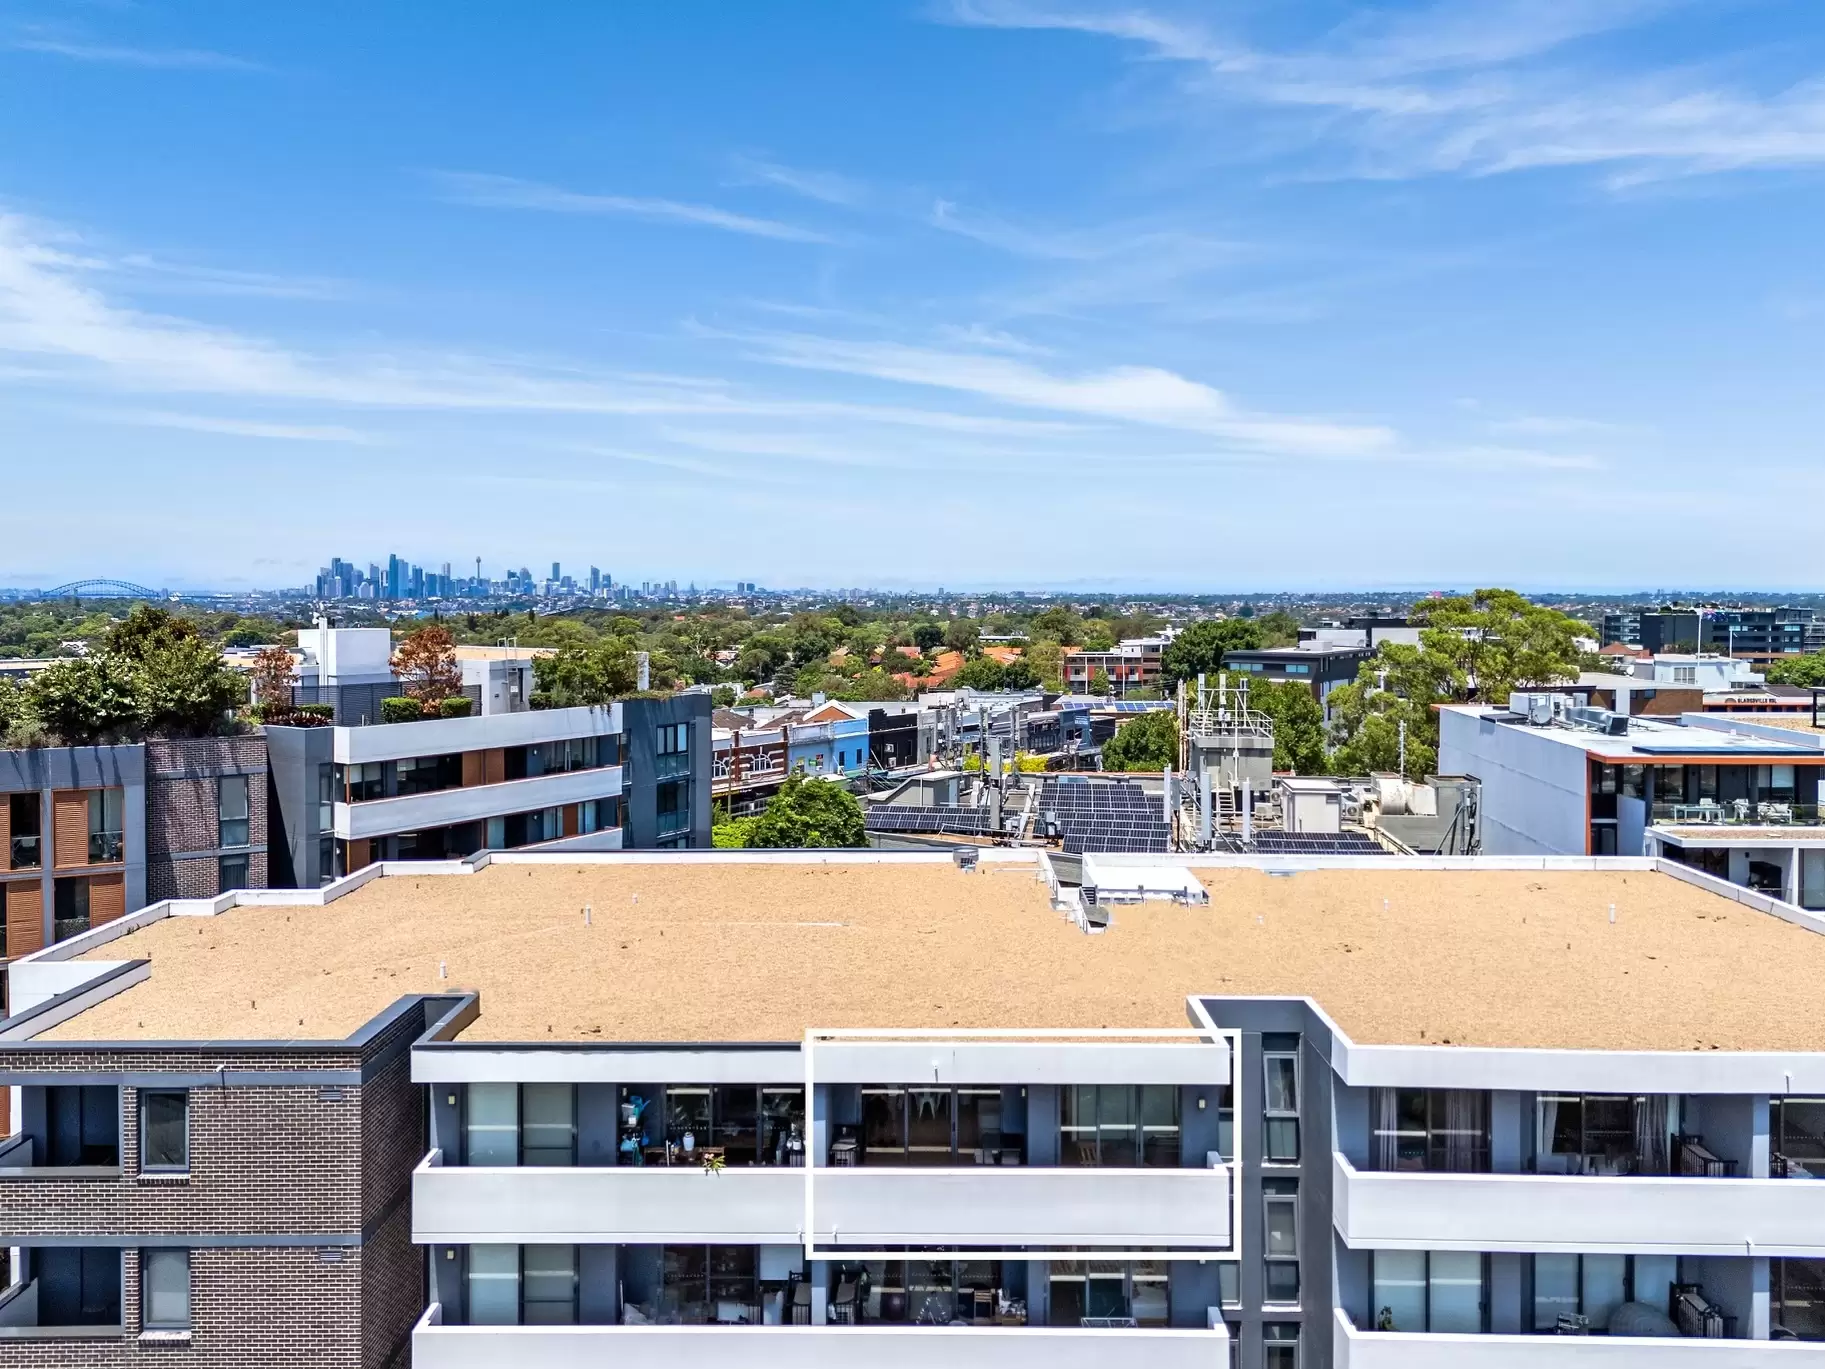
x: 582, y: 675
x: 1482, y: 646
x: 1046, y: 660
x: 87, y: 699
x: 1198, y: 650
x: 873, y: 685
x: 1278, y: 628
x: 1298, y: 724
x: 1099, y: 681
x: 962, y: 635
x: 1020, y: 675
x: 809, y: 812
x: 184, y: 687
x: 1802, y: 672
x: 927, y: 636
x: 1149, y: 742
x: 724, y: 696
x: 981, y: 672
x: 1058, y: 624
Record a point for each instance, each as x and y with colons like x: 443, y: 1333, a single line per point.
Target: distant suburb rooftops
x: 734, y: 950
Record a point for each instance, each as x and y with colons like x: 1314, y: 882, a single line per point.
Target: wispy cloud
x: 508, y: 192
x: 243, y: 427
x: 195, y: 59
x: 1471, y: 87
x: 1552, y: 425
x: 826, y: 187
x: 1145, y: 395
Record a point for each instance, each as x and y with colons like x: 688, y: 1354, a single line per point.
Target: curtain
x: 1464, y: 1139
x: 1651, y: 1134
x: 1387, y: 1130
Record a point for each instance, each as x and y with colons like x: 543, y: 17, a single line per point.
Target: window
x: 674, y: 738
x: 329, y: 793
x: 494, y: 1285
x: 673, y: 805
x: 548, y: 1284
x: 1088, y: 1291
x: 1797, y: 1297
x: 742, y: 1124
x: 1796, y: 1128
x: 1121, y: 1125
x: 332, y: 856
x: 363, y: 781
x: 164, y: 1130
x: 78, y: 1285
x: 164, y: 1277
x: 1280, y: 1136
x: 548, y: 1127
x: 82, y: 1125
x: 1280, y: 1247
x: 69, y: 908
x: 1432, y: 1129
x: 427, y: 774
x: 231, y: 873
x: 105, y: 842
x: 1582, y: 1292
x: 1605, y: 1133
x: 1229, y: 1284
x: 231, y: 809
x: 1280, y: 1345
x: 1441, y: 1291
x: 519, y: 1124
x: 25, y: 815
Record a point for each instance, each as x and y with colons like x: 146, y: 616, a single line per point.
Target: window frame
x: 1278, y: 1194
x: 1270, y: 1115
x: 145, y: 1165
x: 158, y: 1255
x: 224, y: 786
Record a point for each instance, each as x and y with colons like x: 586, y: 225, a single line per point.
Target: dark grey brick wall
x: 181, y: 813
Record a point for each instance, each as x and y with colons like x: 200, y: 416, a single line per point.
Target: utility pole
x: 1403, y: 750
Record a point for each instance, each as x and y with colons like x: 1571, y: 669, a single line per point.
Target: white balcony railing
x: 1584, y: 1213
x: 1041, y: 1208
x: 435, y: 1346
x: 472, y: 803
x: 1353, y: 1349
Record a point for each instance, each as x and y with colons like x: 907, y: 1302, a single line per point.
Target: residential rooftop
x: 744, y: 950
x: 1652, y: 739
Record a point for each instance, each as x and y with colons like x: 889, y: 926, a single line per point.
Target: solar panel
x: 951, y: 821
x: 1317, y: 844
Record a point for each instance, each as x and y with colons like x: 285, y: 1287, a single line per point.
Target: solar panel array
x: 1317, y: 844
x: 1095, y: 818
x: 951, y: 821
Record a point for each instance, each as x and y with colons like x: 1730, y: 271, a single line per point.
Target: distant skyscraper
x: 395, y: 577
x: 556, y: 574
x: 595, y: 579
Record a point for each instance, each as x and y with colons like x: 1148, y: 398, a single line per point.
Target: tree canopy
x: 809, y: 812
x: 1149, y: 742
x: 1198, y: 650
x: 581, y: 674
x: 1479, y: 646
x: 1803, y: 672
x: 426, y: 665
x: 1298, y: 724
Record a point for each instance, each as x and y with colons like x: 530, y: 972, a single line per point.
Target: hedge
x: 457, y: 706
x: 401, y: 710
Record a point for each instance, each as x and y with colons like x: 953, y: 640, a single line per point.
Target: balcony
x: 27, y: 852
x: 982, y: 1206
x: 1353, y: 1349
x: 444, y: 807
x: 435, y: 1346
x: 635, y: 1204
x: 18, y: 1153
x: 1042, y: 1208
x: 1593, y: 1214
x: 1738, y: 813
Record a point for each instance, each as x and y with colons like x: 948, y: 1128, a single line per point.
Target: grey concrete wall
x: 1534, y: 785
x: 45, y: 769
x: 641, y: 719
x: 294, y: 753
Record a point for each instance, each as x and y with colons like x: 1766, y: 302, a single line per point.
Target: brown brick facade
x: 182, y: 814
x: 318, y: 1162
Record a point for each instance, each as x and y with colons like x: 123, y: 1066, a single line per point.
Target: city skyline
x: 1435, y: 294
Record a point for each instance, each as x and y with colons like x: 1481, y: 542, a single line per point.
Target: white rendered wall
x: 1533, y: 800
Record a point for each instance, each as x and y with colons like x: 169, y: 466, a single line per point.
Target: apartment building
x: 785, y: 1109
x: 1132, y: 663
x: 1319, y: 665
x: 631, y: 774
x: 1735, y: 797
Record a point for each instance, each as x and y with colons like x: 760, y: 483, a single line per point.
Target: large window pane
x: 549, y: 1284
x: 165, y: 1290
x: 1159, y: 1124
x: 687, y: 1119
x: 1799, y: 1297
x: 734, y: 1292
x: 494, y: 1284
x: 1799, y: 1138
x: 1653, y: 1279
x: 1400, y: 1290
x: 491, y: 1125
x: 884, y: 1125
x: 1078, y: 1124
x: 978, y: 1123
x: 737, y: 1122
x: 164, y: 1136
x: 1555, y: 1289
x: 549, y: 1133
x: 685, y: 1287
x: 232, y: 809
x: 782, y: 1138
x: 1605, y: 1286
x: 1149, y: 1292
x: 928, y: 1128
x: 1456, y: 1280
x: 1117, y: 1126
x: 1282, y: 1083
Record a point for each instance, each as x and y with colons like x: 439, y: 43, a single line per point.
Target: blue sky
x: 968, y: 292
